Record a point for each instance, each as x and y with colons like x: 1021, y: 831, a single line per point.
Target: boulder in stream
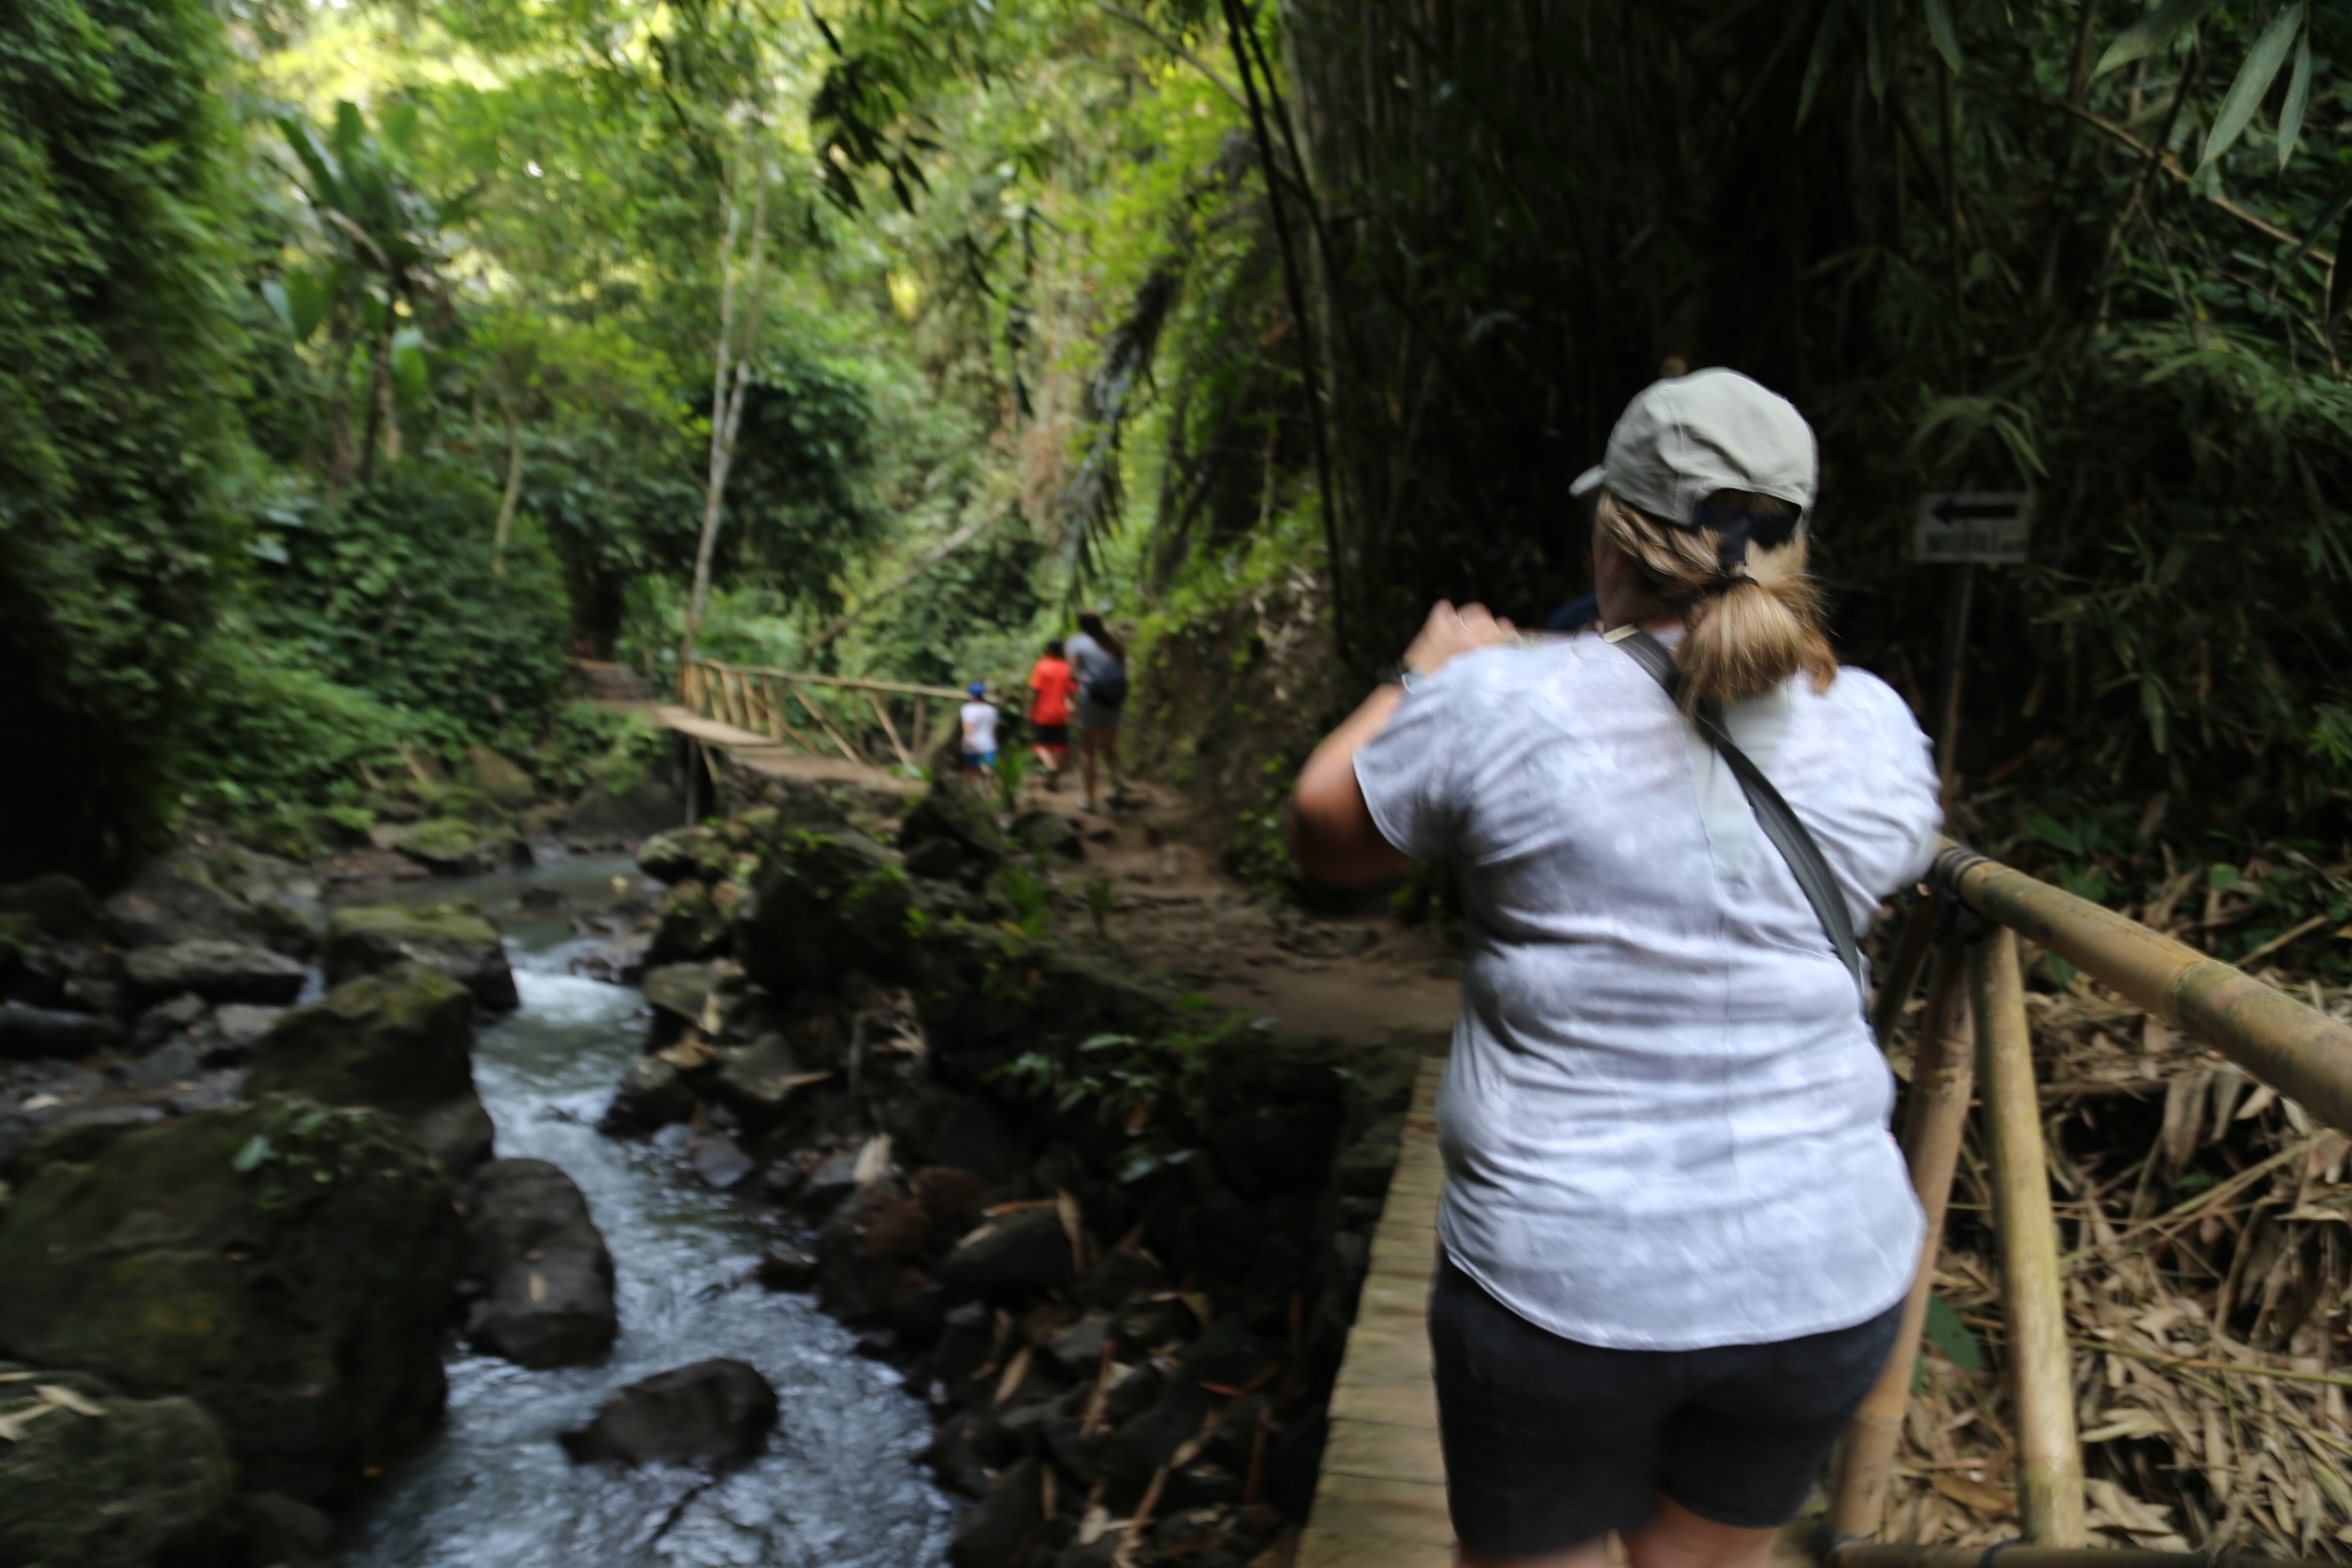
x: 541, y: 1266
x: 458, y: 940
x: 30, y: 1032
x: 711, y: 1413
x: 93, y: 1478
x: 1012, y: 1257
x: 287, y: 1266
x: 402, y: 1042
x: 998, y: 1533
x: 215, y: 971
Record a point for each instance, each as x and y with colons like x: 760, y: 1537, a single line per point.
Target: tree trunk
x: 726, y: 402
x: 514, y: 488
x: 380, y: 392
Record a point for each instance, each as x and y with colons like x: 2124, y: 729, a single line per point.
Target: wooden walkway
x: 1381, y: 1499
x: 756, y: 753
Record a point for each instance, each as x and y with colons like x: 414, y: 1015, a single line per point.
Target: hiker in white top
x: 978, y: 716
x: 1676, y: 1232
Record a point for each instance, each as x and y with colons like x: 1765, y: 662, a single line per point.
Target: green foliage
x: 592, y: 745
x: 115, y: 392
x: 277, y: 737
x: 392, y: 592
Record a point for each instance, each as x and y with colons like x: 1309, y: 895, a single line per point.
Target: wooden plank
x: 1380, y: 1502
x: 1383, y: 1451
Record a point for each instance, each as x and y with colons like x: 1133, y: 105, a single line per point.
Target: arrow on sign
x: 1954, y: 509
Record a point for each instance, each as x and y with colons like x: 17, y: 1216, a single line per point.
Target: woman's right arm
x: 1332, y: 835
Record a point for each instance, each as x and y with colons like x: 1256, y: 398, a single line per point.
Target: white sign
x: 1987, y: 526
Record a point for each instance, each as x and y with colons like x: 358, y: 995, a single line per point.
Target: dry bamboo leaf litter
x: 2205, y: 1236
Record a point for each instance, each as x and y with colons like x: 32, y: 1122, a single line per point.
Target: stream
x: 839, y: 1486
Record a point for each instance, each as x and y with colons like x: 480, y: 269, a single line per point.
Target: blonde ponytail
x: 1744, y: 635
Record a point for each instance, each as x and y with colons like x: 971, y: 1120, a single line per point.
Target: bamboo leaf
x: 1944, y: 31
x: 2299, y: 98
x: 2150, y: 33
x: 1880, y: 55
x: 1824, y: 44
x: 306, y: 304
x: 2254, y: 78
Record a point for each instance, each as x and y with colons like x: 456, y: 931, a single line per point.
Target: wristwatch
x: 1404, y: 675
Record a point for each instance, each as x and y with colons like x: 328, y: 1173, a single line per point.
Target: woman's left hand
x: 1449, y: 631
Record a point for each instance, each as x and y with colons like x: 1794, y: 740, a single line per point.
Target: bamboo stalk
x: 1903, y: 970
x: 890, y: 729
x: 1935, y: 1120
x: 859, y: 684
x: 2301, y: 1052
x: 2041, y: 1383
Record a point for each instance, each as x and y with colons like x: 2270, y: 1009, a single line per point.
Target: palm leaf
x: 2254, y: 78
x: 2155, y: 32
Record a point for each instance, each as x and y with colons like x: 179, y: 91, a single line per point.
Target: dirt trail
x: 1181, y: 919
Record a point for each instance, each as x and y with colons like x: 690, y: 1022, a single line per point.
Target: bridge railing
x: 855, y: 717
x: 1974, y: 1042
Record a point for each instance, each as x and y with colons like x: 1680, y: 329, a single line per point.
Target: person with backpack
x: 1099, y: 662
x: 1676, y: 1236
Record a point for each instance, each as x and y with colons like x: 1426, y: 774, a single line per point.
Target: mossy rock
x: 500, y: 778
x: 696, y: 919
x: 826, y: 904
x: 444, y: 843
x: 957, y: 824
x: 289, y: 1267
x: 672, y: 857
x: 147, y: 1484
x: 458, y: 940
x: 402, y: 1042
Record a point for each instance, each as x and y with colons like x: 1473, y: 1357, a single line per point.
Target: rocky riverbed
x: 1089, y: 1248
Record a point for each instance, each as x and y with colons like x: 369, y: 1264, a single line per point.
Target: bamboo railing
x: 1976, y: 998
x: 776, y: 703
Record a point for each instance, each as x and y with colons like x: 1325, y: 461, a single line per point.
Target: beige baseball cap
x: 1682, y: 440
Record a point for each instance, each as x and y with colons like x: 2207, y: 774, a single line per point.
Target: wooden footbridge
x: 793, y: 725
x: 1382, y: 1500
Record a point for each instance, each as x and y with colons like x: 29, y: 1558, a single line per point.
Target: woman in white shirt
x: 1675, y: 1232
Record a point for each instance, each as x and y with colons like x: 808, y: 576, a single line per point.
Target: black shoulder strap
x: 1773, y: 813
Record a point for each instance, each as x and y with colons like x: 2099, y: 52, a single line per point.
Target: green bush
x: 391, y: 593
x: 603, y: 746
x: 116, y: 429
x: 284, y: 753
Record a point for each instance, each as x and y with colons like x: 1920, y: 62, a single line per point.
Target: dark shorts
x: 1551, y: 1443
x: 1052, y: 737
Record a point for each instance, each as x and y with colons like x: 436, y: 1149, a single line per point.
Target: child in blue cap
x: 979, y: 717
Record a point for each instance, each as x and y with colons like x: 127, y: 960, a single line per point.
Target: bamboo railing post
x: 1902, y: 976
x: 2041, y: 1380
x: 1935, y: 1120
x: 888, y: 728
x: 822, y: 722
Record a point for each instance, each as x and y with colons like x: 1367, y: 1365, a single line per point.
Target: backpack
x: 1109, y: 687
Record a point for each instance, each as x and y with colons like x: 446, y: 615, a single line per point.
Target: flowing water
x: 839, y: 1484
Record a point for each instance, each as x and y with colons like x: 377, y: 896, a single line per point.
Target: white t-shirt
x: 1665, y: 1123
x: 979, y: 726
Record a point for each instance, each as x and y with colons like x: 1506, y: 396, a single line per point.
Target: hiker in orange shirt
x: 1049, y: 715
